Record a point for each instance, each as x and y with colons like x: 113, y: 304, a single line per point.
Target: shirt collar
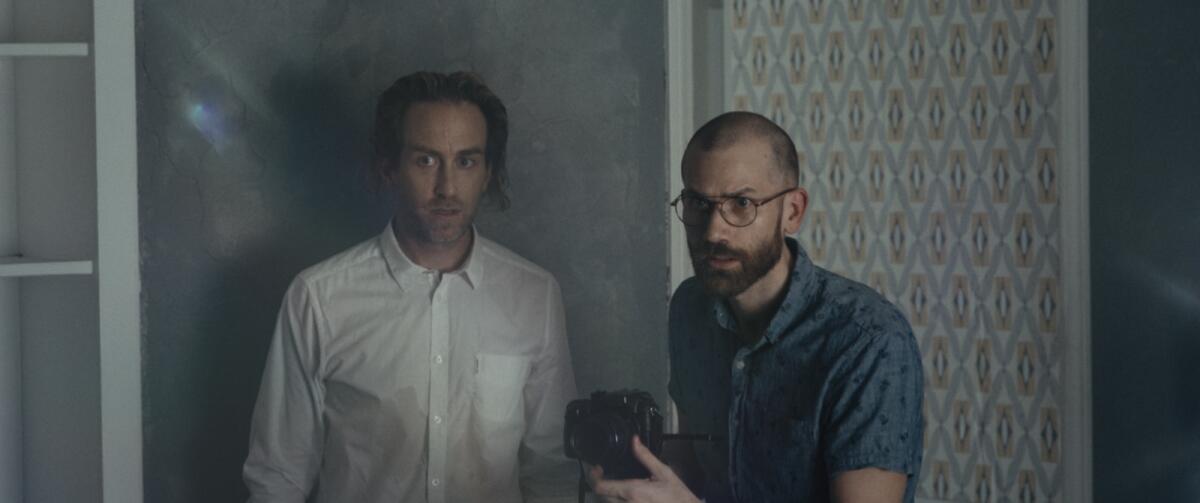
x: 408, y: 274
x: 797, y: 295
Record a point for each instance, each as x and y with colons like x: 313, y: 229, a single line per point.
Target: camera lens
x: 601, y: 438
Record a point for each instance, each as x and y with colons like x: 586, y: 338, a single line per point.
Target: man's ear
x: 384, y: 173
x: 795, y: 205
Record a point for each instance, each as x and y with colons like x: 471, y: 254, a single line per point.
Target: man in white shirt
x: 427, y: 364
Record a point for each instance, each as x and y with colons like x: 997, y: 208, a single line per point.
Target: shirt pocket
x: 499, y: 386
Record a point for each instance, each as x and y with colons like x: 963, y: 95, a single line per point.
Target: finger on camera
x: 595, y: 474
x: 655, y: 466
x: 621, y: 489
x: 605, y: 495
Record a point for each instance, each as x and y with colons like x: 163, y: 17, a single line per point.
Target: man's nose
x: 716, y: 230
x: 444, y: 183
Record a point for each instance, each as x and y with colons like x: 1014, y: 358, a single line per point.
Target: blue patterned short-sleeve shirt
x: 835, y: 384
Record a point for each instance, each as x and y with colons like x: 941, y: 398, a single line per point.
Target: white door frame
x: 118, y: 271
x: 1075, y: 261
x: 680, y: 119
x: 680, y: 89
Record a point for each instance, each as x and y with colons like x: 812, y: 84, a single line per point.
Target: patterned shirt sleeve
x: 873, y: 417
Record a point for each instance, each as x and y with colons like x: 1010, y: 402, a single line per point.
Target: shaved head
x: 733, y: 127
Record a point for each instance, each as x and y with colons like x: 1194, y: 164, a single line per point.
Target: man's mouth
x: 445, y: 212
x: 721, y: 261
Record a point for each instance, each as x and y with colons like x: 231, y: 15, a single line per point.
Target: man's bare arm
x: 869, y: 485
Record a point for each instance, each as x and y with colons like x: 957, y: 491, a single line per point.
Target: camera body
x: 599, y: 431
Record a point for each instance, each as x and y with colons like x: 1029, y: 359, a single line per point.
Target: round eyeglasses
x: 739, y: 211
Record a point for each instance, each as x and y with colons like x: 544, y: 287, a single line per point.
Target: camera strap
x: 583, y: 486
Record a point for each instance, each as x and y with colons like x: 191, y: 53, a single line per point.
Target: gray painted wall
x: 253, y: 120
x: 1145, y: 219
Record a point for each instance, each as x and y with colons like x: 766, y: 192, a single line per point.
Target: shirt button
x: 437, y: 419
x: 437, y: 359
x: 435, y: 482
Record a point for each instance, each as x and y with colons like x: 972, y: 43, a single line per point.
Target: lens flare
x: 209, y: 123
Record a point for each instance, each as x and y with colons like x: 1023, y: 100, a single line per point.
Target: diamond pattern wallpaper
x: 927, y: 134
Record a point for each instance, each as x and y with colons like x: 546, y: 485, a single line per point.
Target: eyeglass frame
x: 719, y: 203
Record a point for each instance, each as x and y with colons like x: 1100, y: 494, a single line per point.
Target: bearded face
x: 726, y: 271
x: 442, y: 171
x: 737, y: 237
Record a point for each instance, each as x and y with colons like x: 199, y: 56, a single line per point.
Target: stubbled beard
x: 429, y: 231
x: 444, y: 234
x: 754, y: 264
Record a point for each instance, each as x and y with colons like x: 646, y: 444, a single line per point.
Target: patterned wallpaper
x: 927, y: 133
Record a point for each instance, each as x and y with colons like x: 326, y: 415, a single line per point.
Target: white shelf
x: 69, y: 315
x: 66, y: 49
x: 11, y: 267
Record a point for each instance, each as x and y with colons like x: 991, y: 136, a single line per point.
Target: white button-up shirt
x: 389, y: 382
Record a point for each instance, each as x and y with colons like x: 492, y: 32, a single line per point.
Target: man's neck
x: 444, y: 257
x: 755, y: 307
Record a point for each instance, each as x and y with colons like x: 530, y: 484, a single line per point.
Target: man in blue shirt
x: 812, y: 381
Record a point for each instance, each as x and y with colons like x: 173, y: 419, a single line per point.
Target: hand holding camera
x: 663, y: 486
x: 600, y: 430
x: 619, y: 436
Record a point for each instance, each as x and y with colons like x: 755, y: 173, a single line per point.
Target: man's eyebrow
x: 417, y: 147
x: 420, y: 148
x: 737, y: 193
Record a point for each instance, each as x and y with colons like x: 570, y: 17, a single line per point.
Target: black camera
x: 600, y: 431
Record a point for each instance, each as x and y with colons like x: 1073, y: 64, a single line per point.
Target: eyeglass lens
x: 737, y: 211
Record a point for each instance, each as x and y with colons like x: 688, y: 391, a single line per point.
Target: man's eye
x: 697, y: 203
x: 742, y: 202
x: 426, y: 160
x: 466, y: 162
